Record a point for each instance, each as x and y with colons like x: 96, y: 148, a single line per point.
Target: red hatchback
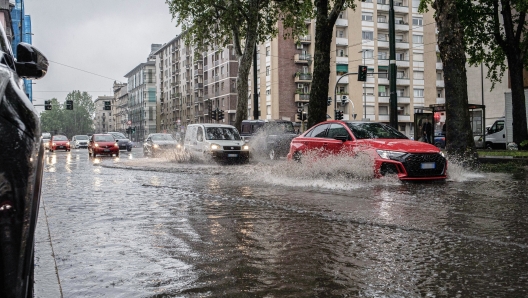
x: 59, y: 142
x: 392, y: 151
x: 102, y: 144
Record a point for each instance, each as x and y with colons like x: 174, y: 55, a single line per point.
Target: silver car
x: 79, y: 141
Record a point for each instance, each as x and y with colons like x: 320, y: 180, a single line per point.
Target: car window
x: 60, y: 138
x: 318, y: 131
x: 374, y: 130
x: 222, y: 133
x: 199, y: 134
x: 118, y: 135
x: 81, y: 137
x: 280, y: 128
x: 166, y: 137
x: 337, y: 130
x: 104, y: 138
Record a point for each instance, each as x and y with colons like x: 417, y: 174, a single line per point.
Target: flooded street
x: 151, y: 227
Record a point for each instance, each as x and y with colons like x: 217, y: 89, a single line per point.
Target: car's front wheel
x: 297, y: 156
x: 272, y: 154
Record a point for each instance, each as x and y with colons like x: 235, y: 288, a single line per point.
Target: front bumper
x: 414, y: 167
x: 230, y: 155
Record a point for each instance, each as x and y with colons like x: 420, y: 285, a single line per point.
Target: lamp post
x: 364, y: 91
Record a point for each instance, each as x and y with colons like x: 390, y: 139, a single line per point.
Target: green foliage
x: 69, y: 122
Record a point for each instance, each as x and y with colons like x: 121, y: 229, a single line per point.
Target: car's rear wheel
x: 297, y: 156
x: 272, y: 154
x: 117, y: 154
x: 94, y: 154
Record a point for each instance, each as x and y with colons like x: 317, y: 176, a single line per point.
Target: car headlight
x: 116, y: 145
x: 386, y: 154
x: 53, y: 144
x: 156, y: 146
x: 178, y: 146
x: 442, y: 154
x: 96, y: 145
x: 215, y: 147
x: 245, y: 147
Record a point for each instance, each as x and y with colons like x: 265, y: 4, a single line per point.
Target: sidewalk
x: 47, y: 283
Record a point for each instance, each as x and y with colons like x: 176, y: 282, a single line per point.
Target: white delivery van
x: 219, y: 142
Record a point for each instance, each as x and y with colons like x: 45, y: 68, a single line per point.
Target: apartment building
x: 361, y: 37
x: 120, y: 107
x: 191, y: 84
x: 103, y: 120
x: 141, y: 89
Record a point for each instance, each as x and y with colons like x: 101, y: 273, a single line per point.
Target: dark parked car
x: 122, y: 141
x: 270, y: 138
x: 22, y: 162
x: 157, y: 143
x: 392, y: 151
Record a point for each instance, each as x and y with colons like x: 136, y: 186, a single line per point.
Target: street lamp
x: 364, y: 91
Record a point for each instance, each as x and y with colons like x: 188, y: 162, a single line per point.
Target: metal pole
x: 393, y: 117
x: 255, y: 94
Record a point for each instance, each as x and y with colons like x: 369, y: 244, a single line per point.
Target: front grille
x: 229, y: 148
x: 413, y: 162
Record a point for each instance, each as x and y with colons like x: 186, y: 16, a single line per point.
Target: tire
x: 117, y: 154
x: 489, y: 146
x: 89, y: 154
x: 145, y: 153
x: 297, y: 156
x: 129, y: 149
x: 94, y: 154
x: 272, y: 154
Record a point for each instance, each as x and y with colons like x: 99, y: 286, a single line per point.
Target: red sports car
x: 59, y: 142
x: 392, y: 151
x: 102, y: 144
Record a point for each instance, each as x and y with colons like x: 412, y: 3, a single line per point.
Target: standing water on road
x: 151, y: 227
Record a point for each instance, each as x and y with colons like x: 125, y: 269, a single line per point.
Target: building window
x: 268, y: 91
x: 383, y: 55
x: 366, y: 16
x: 383, y: 110
x: 340, y: 33
x: 267, y: 71
x: 400, y: 75
x: 439, y: 93
x: 418, y: 57
x: 368, y: 35
x: 382, y: 19
x: 418, y: 39
x: 368, y: 54
x: 418, y: 93
x: 418, y: 75
x: 340, y: 53
x: 439, y: 76
x: 341, y: 15
x: 368, y: 90
x: 382, y: 90
x: 267, y: 51
x: 417, y: 22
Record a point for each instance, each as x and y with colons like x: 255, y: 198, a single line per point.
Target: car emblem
x: 232, y: 148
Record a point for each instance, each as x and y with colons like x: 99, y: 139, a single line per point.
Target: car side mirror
x: 31, y: 63
x: 342, y: 138
x: 117, y: 141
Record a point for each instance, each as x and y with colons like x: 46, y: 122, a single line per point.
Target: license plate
x: 428, y: 165
x: 106, y: 150
x: 232, y: 155
x: 60, y: 147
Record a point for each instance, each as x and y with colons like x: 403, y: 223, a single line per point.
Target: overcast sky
x: 92, y: 43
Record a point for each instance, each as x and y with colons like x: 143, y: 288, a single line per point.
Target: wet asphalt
x: 156, y: 227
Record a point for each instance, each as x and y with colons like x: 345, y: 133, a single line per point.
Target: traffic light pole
x: 393, y: 99
x: 335, y: 90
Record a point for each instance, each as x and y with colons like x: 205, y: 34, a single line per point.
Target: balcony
x: 305, y: 39
x: 404, y: 118
x: 302, y: 58
x: 341, y: 23
x: 440, y: 84
x: 303, y: 77
x: 341, y: 41
x: 439, y: 65
x: 198, y: 86
x: 302, y: 97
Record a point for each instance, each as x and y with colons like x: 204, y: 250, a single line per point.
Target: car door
x: 338, y: 139
x: 314, y: 140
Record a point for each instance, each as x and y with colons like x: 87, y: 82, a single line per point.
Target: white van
x: 496, y: 135
x: 219, y: 142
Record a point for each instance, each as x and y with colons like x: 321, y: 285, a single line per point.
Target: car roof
x: 211, y: 125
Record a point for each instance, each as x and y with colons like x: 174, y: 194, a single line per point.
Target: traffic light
x: 329, y: 101
x: 47, y: 105
x: 338, y: 115
x: 362, y: 73
x: 69, y: 105
x: 220, y: 115
x: 107, y: 105
x: 299, y: 115
x: 128, y: 130
x: 344, y: 99
x: 213, y: 115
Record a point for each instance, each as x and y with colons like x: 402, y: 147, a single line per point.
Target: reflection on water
x: 156, y: 228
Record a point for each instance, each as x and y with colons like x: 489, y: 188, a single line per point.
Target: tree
x: 70, y: 122
x: 495, y: 31
x: 459, y: 136
x: 325, y: 18
x: 242, y: 23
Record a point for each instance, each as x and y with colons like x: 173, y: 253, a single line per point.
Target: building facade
x: 103, y: 120
x: 22, y: 33
x: 191, y: 84
x: 120, y: 107
x: 141, y: 89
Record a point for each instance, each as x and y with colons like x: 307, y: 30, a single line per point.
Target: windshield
x: 281, y: 127
x: 104, y: 138
x: 374, y: 131
x: 221, y: 133
x: 46, y: 136
x: 81, y: 137
x: 60, y: 138
x: 165, y: 137
x: 118, y: 135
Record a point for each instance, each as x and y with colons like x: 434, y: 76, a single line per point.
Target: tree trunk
x: 244, y: 65
x: 512, y: 48
x: 321, y: 73
x: 459, y: 136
